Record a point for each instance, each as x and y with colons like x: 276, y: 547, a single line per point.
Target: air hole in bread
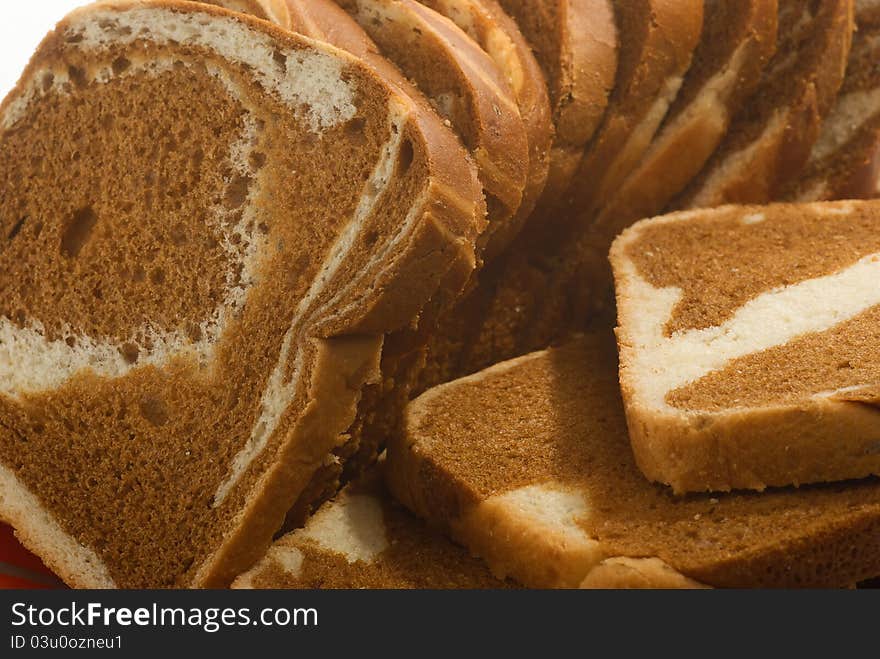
x: 354, y: 130
x: 78, y: 231
x: 48, y: 81
x: 280, y: 59
x: 237, y: 192
x: 16, y: 228
x: 405, y: 159
x: 371, y: 238
x: 77, y: 76
x: 154, y: 410
x: 130, y: 352
x: 70, y: 341
x: 120, y: 64
x: 257, y: 160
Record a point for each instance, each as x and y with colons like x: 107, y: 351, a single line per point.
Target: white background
x: 24, y: 24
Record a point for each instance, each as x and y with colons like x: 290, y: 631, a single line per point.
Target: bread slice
x: 488, y: 25
x: 467, y: 89
x: 748, y: 344
x: 845, y: 161
x: 208, y: 226
x: 770, y: 141
x: 576, y: 44
x: 363, y: 539
x: 738, y: 40
x: 658, y: 39
x: 528, y: 465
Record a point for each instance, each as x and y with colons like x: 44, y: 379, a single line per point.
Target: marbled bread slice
x: 208, y: 226
x: 738, y: 40
x: 403, y: 352
x: 748, y: 342
x: 528, y: 464
x: 466, y: 87
x: 576, y: 44
x: 770, y: 140
x: 845, y: 161
x: 363, y: 539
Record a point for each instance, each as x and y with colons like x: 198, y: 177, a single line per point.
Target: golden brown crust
x: 737, y: 42
x: 637, y: 573
x: 497, y: 33
x: 659, y: 38
x: 467, y: 89
x: 575, y: 42
x: 770, y: 141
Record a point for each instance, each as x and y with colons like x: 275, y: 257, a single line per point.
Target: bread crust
x: 497, y: 34
x: 644, y: 92
x: 446, y: 226
x: 699, y: 118
x: 466, y: 87
x: 575, y: 42
x: 769, y: 145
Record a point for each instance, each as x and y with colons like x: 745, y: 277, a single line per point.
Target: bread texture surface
x: 210, y: 224
x: 528, y: 465
x: 747, y: 344
x: 362, y: 539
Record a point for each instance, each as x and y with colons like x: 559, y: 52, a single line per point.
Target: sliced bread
x: 467, y: 89
x: 845, y: 161
x: 575, y: 42
x: 738, y: 40
x: 528, y: 465
x: 208, y: 226
x: 488, y: 25
x: 363, y: 539
x: 657, y: 43
x: 748, y: 342
x: 770, y: 140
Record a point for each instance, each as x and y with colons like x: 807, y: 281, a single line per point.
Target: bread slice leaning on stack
x: 209, y: 226
x: 845, y: 161
x: 497, y: 34
x: 362, y: 539
x: 770, y: 140
x: 528, y: 464
x: 748, y: 342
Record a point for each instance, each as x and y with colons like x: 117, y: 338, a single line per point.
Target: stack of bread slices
x: 362, y: 293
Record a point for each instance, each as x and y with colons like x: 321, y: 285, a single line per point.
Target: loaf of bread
x: 528, y: 464
x: 209, y: 226
x: 362, y: 539
x: 748, y: 342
